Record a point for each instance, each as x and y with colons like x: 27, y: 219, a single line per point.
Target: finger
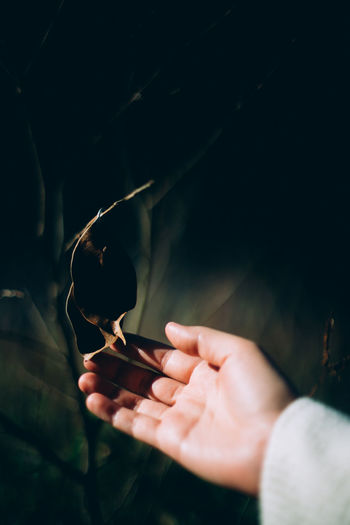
x: 92, y: 383
x: 138, y: 380
x: 89, y: 383
x: 140, y: 426
x: 212, y: 345
x: 169, y: 361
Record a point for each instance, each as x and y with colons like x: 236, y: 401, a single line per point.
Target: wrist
x: 270, y: 424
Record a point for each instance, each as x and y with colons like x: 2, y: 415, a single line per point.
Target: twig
x: 328, y: 368
x: 329, y: 327
x: 37, y: 443
x: 326, y: 340
x: 135, y: 97
x: 43, y: 39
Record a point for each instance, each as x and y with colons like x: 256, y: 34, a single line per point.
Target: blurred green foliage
x: 239, y: 111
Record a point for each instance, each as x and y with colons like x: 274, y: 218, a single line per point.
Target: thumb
x: 211, y: 345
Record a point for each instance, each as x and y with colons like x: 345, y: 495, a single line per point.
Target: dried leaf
x: 104, y: 284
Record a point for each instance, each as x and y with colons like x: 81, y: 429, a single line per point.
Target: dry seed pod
x: 103, y: 282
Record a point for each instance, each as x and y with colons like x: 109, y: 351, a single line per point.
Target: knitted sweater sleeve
x: 306, y: 472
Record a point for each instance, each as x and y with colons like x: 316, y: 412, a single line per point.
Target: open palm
x: 210, y: 403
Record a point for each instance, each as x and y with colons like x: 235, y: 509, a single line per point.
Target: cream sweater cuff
x: 306, y: 472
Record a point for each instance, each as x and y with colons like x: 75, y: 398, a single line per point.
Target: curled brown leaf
x: 104, y: 283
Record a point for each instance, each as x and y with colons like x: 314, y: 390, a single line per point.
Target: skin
x: 211, y: 406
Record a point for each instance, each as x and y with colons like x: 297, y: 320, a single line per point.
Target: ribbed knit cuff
x: 306, y: 472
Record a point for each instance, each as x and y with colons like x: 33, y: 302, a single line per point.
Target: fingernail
x: 174, y: 327
x: 171, y: 324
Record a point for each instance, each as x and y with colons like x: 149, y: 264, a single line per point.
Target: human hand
x: 212, y: 409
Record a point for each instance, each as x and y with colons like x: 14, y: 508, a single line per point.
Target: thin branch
x: 43, y: 39
x: 136, y: 96
x: 213, y: 25
x: 326, y: 340
x: 37, y: 443
x: 326, y: 350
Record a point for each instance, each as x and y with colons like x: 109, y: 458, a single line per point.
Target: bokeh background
x: 239, y: 111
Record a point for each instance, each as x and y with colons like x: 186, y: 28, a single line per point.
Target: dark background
x: 240, y: 113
